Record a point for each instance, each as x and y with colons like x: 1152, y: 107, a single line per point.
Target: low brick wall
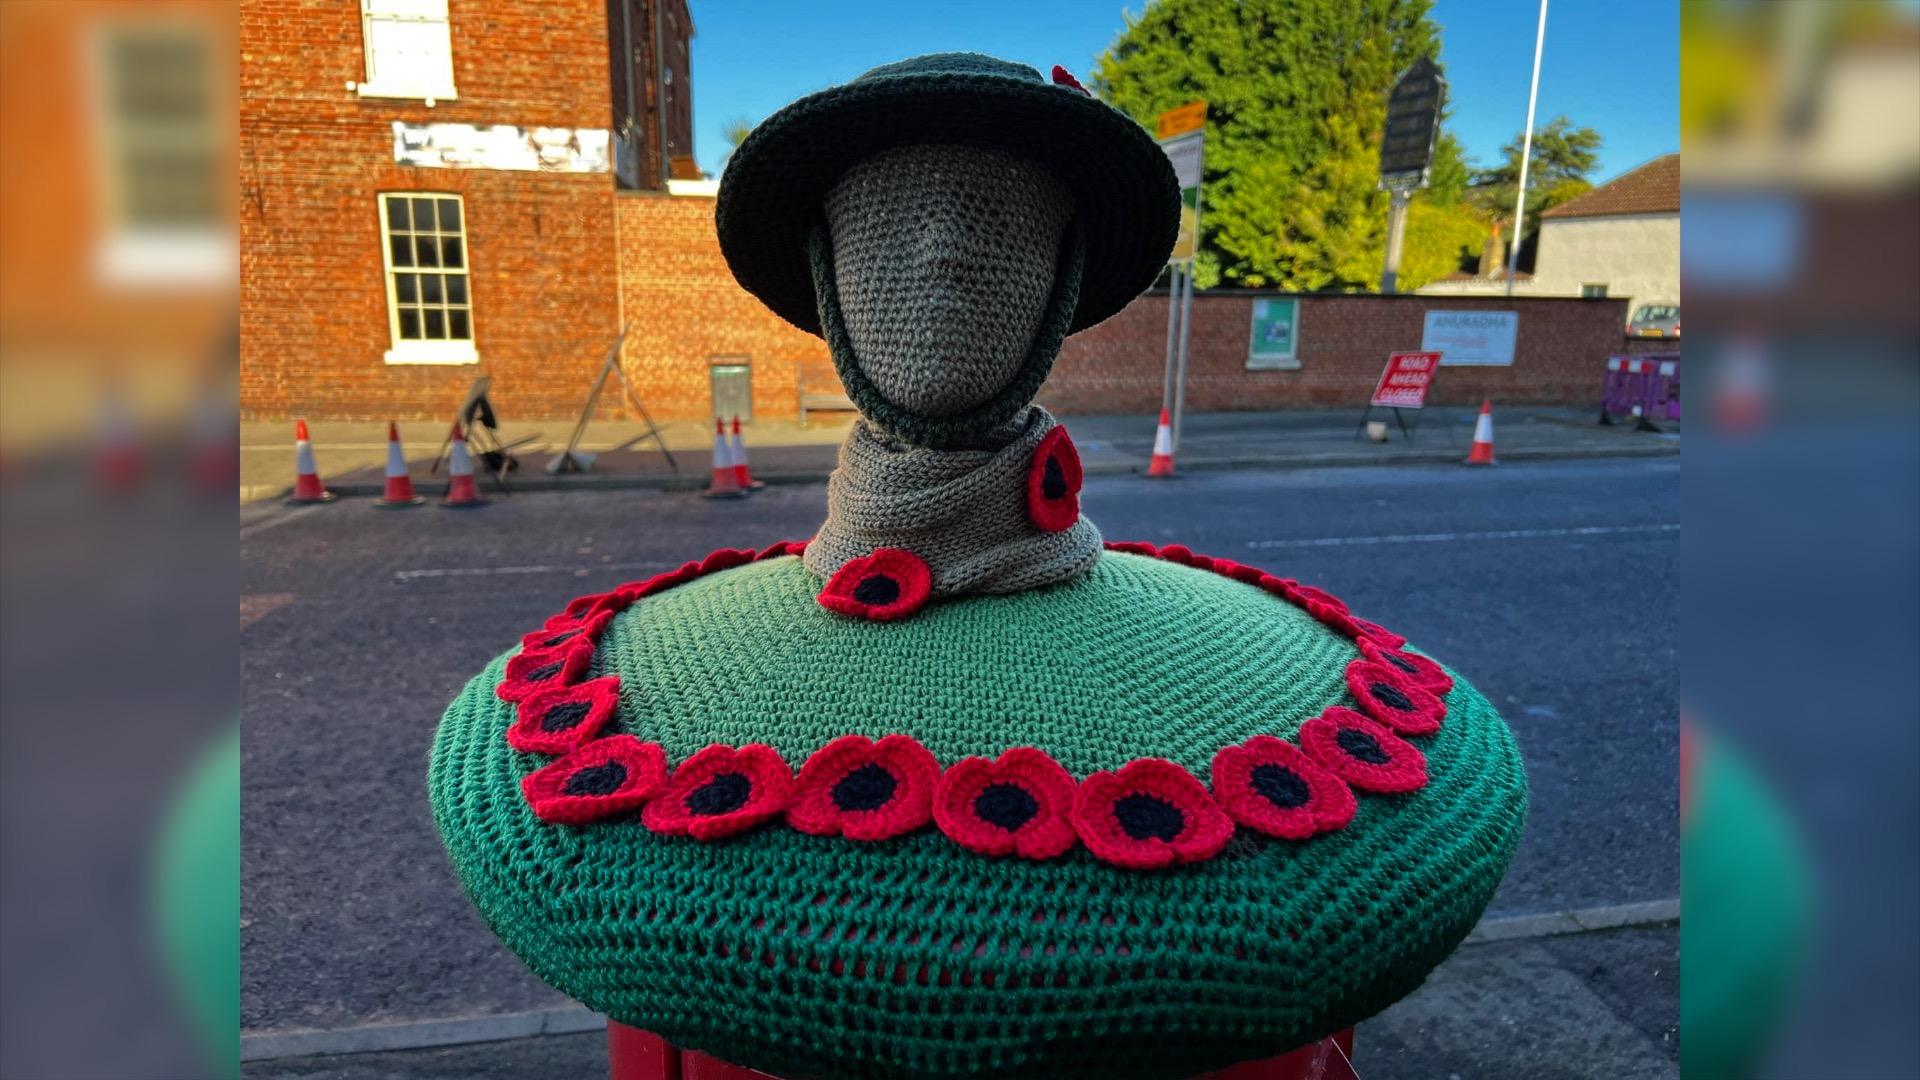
x: 1559, y: 354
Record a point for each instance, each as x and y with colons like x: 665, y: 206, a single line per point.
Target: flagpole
x: 1526, y: 152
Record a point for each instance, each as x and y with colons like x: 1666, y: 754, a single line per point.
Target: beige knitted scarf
x: 962, y: 511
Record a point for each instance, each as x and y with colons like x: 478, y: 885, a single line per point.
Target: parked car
x: 1655, y: 320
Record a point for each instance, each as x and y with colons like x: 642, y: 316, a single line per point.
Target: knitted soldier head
x: 952, y: 788
x: 943, y: 268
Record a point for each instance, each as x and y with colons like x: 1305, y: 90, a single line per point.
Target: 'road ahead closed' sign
x: 1406, y: 379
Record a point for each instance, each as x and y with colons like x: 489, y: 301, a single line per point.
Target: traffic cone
x: 399, y: 482
x: 742, y: 475
x: 461, y: 492
x: 1162, y: 463
x: 724, y: 484
x: 1482, y: 453
x: 306, y: 479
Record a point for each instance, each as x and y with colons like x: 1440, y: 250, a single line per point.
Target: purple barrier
x: 1646, y: 387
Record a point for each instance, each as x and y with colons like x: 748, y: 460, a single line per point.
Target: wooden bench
x: 821, y: 392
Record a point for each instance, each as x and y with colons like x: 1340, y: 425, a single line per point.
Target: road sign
x: 1184, y: 151
x: 1189, y: 117
x: 1405, y: 380
x: 1413, y: 121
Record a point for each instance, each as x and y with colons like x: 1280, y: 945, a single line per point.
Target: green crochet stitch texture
x: 798, y: 954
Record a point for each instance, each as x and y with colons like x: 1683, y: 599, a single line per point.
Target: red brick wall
x: 1117, y: 366
x: 314, y: 157
x: 686, y: 309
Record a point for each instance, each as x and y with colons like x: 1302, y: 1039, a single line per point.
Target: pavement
x: 352, y: 454
x: 1553, y: 584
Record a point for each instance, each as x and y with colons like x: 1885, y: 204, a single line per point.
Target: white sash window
x: 409, y: 49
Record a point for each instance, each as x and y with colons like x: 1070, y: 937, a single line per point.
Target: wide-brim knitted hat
x: 1173, y: 814
x: 773, y: 192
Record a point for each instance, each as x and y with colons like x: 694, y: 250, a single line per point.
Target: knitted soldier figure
x: 954, y: 788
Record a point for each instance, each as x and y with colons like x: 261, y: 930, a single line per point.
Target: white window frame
x: 1587, y: 291
x: 430, y: 86
x: 426, y: 350
x: 129, y: 252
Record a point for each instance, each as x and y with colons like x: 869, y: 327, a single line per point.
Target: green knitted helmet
x: 1171, y: 815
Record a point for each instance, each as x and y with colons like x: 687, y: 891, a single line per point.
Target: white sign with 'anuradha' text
x: 1471, y: 337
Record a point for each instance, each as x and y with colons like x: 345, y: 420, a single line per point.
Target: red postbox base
x: 641, y: 1055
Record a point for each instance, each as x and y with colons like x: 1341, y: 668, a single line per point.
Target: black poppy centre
x: 565, y: 715
x: 1148, y: 817
x: 1008, y: 806
x: 1361, y: 746
x: 868, y: 787
x: 723, y: 794
x: 1280, y: 785
x: 1053, y: 479
x: 878, y: 590
x: 603, y: 779
x: 1391, y: 696
x: 546, y: 671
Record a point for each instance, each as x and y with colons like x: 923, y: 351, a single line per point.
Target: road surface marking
x: 275, y: 521
x: 542, y: 568
x: 1448, y: 537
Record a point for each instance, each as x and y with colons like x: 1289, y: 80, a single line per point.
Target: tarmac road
x: 1553, y: 586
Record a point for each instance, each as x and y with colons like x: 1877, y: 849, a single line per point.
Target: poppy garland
x: 1148, y: 814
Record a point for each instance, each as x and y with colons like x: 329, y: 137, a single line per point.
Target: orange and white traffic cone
x: 461, y: 492
x: 724, y: 484
x: 1482, y: 452
x: 1162, y: 463
x: 307, y: 487
x: 742, y: 475
x: 399, y: 481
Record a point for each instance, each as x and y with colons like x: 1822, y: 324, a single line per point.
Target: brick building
x: 437, y: 189
x: 428, y: 193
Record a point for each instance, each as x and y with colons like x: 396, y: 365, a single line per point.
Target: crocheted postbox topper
x: 957, y: 787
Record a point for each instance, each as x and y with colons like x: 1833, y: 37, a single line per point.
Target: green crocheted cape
x: 918, y: 955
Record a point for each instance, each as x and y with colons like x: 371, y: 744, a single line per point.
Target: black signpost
x: 1406, y: 151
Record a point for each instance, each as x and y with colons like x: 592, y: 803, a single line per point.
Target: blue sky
x: 1609, y: 64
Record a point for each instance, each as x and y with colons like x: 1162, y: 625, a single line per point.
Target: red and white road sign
x: 1405, y: 380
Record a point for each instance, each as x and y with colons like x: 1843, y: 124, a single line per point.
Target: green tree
x: 734, y: 132
x: 1296, y: 93
x: 1564, y: 158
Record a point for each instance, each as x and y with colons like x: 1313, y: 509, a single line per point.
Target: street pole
x: 1180, y: 377
x: 1526, y: 152
x: 1173, y: 331
x: 1396, y: 236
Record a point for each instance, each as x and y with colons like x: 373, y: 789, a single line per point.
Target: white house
x: 1622, y: 240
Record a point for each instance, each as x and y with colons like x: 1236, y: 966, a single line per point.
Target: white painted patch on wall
x: 502, y: 146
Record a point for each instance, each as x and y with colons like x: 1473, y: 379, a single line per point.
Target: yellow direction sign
x: 1189, y: 117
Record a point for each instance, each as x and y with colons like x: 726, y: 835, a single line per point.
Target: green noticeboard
x: 1275, y: 340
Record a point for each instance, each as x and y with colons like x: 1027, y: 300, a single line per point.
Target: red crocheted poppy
x: 605, y: 778
x: 1307, y: 595
x: 1053, y: 482
x: 721, y: 791
x: 781, y: 547
x: 1373, y: 631
x: 1392, y: 698
x: 1020, y: 802
x: 1149, y: 814
x: 865, y: 790
x: 548, y: 637
x: 1132, y: 547
x: 1273, y: 786
x: 1420, y: 670
x: 886, y: 585
x: 533, y: 670
x: 583, y: 608
x: 1363, y: 753
x: 562, y: 719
